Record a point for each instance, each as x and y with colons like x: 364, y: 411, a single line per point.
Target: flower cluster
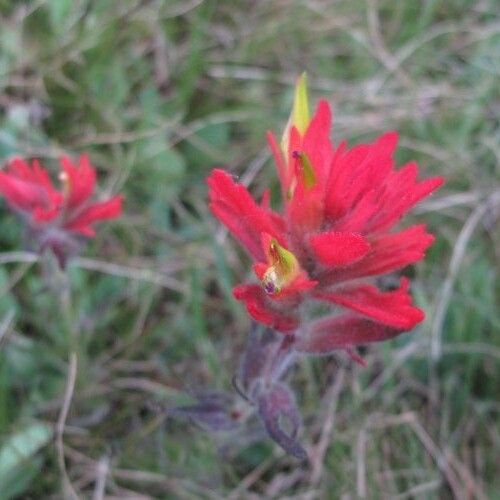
x: 334, y: 236
x: 57, y: 219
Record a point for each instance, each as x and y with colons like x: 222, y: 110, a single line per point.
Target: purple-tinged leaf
x: 340, y: 332
x: 62, y: 244
x: 214, y: 412
x: 351, y: 351
x: 277, y: 410
x: 259, y: 350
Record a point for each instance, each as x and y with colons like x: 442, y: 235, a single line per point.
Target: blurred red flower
x: 56, y: 217
x: 336, y: 233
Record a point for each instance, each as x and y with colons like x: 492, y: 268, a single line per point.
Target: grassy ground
x: 158, y: 92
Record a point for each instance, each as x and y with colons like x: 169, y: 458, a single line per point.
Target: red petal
x: 33, y: 173
x: 387, y: 143
x: 340, y: 332
x: 301, y: 283
x: 306, y: 203
x: 305, y: 209
x: 356, y: 172
x: 399, y: 194
x: 397, y: 250
x: 391, y: 308
x: 19, y: 193
x: 357, y: 219
x: 81, y: 179
x: 40, y: 214
x: 265, y: 201
x: 339, y: 249
x: 22, y: 169
x: 28, y: 187
x: 261, y: 309
x: 317, y: 144
x: 294, y: 145
x: 388, y: 252
x: 373, y: 171
x: 232, y: 204
x: 109, y: 209
x: 340, y: 178
x: 281, y: 166
x: 260, y: 268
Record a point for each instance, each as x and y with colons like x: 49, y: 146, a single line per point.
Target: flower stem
x: 282, y: 359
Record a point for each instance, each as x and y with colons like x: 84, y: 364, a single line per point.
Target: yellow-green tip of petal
x: 307, y: 169
x: 300, y: 111
x: 283, y: 268
x: 299, y: 117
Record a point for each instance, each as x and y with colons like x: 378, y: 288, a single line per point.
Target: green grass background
x: 160, y: 92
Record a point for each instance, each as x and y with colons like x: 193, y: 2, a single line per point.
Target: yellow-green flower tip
x: 283, y: 267
x: 299, y: 117
x: 300, y: 111
x: 307, y: 170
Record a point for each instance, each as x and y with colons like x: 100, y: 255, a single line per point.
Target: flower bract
x: 57, y: 217
x: 336, y: 233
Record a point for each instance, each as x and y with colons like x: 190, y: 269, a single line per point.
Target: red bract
x: 335, y: 234
x: 56, y: 217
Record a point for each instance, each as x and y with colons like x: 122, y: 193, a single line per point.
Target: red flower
x: 336, y: 233
x: 55, y: 216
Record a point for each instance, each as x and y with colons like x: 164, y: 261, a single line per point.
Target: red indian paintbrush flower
x: 335, y: 236
x: 56, y: 219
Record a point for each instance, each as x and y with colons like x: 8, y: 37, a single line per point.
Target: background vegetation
x: 159, y: 92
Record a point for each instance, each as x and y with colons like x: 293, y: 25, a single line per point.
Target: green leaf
x: 208, y: 146
x: 22, y: 445
x: 59, y: 13
x: 17, y: 456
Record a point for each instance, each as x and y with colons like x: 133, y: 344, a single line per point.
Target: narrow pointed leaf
x: 276, y: 405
